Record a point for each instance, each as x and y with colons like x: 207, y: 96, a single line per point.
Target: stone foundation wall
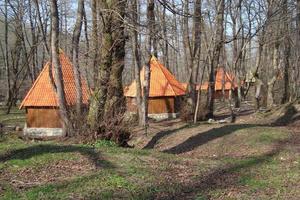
x: 42, y: 132
x: 162, y: 116
x: 159, y: 116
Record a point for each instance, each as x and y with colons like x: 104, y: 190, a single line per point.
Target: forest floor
x: 258, y: 157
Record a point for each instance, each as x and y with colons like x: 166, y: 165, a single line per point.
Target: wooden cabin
x: 230, y: 84
x: 222, y: 79
x: 163, y: 94
x: 41, y: 105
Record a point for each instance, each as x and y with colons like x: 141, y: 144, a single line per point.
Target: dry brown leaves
x: 56, y: 171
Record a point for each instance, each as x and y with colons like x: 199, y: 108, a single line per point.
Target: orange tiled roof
x: 42, y: 93
x: 162, y: 82
x: 230, y: 81
x: 184, y: 85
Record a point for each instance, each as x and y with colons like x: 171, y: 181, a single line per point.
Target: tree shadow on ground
x: 290, y: 116
x: 29, y: 152
x: 204, y: 137
x: 160, y: 135
x: 229, y: 176
x: 220, y: 178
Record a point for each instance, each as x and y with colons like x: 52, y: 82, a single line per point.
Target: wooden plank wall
x: 43, y: 118
x: 219, y: 94
x: 161, y: 105
x: 155, y: 106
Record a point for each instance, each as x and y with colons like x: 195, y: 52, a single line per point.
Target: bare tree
x: 166, y: 45
x: 137, y: 57
x: 34, y: 38
x: 287, y: 53
x: 297, y: 70
x: 95, y: 39
x: 108, y: 102
x: 42, y: 26
x: 17, y: 57
x: 75, y: 52
x: 7, y: 68
x: 195, y: 53
x: 218, y: 43
x: 151, y: 42
x: 59, y: 84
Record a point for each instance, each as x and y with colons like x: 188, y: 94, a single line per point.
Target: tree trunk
x: 100, y: 94
x: 7, y: 68
x: 41, y: 26
x: 57, y: 68
x: 195, y: 53
x: 66, y: 25
x: 108, y: 103
x: 137, y: 68
x: 264, y: 77
x: 146, y: 84
x: 176, y: 54
x: 199, y: 97
x: 166, y: 46
x: 186, y: 37
x: 218, y: 43
x: 271, y: 83
x: 258, y: 95
x: 34, y: 43
x: 87, y: 49
x: 16, y: 59
x: 236, y: 56
x: 153, y: 28
x: 287, y: 53
x: 297, y: 70
x: 75, y: 49
x: 95, y: 40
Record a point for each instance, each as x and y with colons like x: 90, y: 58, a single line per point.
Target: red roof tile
x: 42, y: 93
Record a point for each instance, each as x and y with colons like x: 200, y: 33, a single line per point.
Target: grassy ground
x: 15, y: 118
x: 174, y: 161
